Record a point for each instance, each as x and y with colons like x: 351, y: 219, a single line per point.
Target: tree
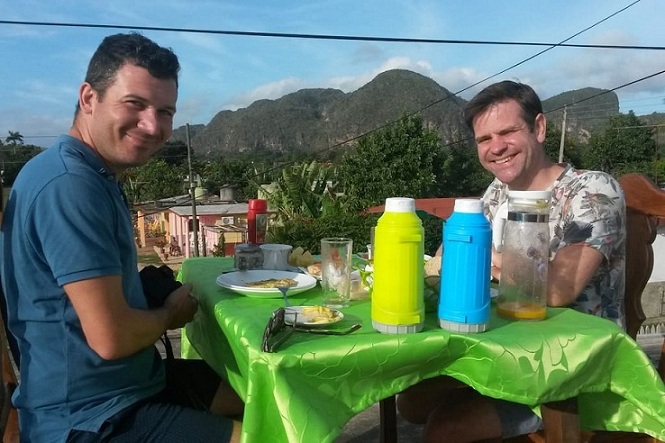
x: 625, y: 146
x: 236, y: 173
x: 154, y: 180
x: 461, y: 174
x: 571, y: 153
x: 305, y: 189
x: 174, y: 153
x: 13, y: 160
x: 14, y: 138
x: 403, y: 159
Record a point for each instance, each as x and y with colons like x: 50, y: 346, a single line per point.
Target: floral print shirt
x: 588, y: 207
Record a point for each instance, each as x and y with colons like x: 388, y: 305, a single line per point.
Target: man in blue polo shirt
x: 89, y: 369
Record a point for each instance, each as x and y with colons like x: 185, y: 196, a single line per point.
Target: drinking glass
x: 336, y: 263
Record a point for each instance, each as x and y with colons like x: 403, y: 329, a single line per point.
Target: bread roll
x: 305, y: 259
x: 433, y: 266
x: 295, y: 255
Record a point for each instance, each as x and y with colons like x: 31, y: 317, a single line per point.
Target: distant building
x: 218, y: 221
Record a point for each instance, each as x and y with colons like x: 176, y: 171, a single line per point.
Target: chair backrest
x: 645, y: 210
x: 645, y: 204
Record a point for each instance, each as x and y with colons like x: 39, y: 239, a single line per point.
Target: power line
x: 332, y: 36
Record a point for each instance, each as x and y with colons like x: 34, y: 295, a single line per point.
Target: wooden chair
x: 645, y: 210
x: 9, y: 382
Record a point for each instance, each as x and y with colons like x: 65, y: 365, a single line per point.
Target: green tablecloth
x: 308, y: 390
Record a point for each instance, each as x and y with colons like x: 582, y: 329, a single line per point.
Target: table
x: 314, y: 384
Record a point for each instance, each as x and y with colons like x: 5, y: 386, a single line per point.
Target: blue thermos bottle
x: 464, y: 302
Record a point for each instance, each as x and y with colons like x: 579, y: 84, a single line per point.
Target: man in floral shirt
x: 586, y: 210
x: 587, y: 252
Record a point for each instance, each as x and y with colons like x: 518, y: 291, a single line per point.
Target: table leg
x: 388, y: 420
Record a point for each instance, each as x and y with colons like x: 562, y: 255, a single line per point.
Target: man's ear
x: 540, y: 127
x: 87, y: 97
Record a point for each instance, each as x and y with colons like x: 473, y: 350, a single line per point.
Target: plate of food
x: 263, y: 283
x: 312, y: 316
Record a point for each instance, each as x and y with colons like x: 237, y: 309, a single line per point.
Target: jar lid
x: 400, y: 204
x: 530, y: 195
x: 469, y: 205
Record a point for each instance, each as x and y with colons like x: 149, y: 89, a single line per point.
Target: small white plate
x: 238, y: 281
x: 306, y: 319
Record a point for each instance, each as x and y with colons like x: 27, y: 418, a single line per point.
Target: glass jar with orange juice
x: 525, y: 256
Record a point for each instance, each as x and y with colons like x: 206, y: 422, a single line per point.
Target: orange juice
x: 520, y: 310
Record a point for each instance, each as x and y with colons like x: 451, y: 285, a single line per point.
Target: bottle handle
x: 410, y: 238
x: 498, y: 225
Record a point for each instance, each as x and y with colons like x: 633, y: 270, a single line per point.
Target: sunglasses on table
x: 277, y: 330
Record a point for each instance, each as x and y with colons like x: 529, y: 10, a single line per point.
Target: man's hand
x: 181, y: 307
x: 495, y: 269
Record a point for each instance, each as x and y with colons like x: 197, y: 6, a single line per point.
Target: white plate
x: 305, y: 320
x: 237, y: 282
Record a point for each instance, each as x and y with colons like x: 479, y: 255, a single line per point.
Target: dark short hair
x: 523, y: 94
x: 135, y: 49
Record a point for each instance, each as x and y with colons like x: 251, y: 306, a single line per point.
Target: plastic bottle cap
x: 400, y: 204
x: 469, y: 205
x: 258, y: 205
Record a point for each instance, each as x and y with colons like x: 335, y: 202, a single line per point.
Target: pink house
x: 227, y: 221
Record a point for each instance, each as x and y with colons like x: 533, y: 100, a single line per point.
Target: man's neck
x: 543, y: 179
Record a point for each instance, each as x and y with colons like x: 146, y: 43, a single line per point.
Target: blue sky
x: 42, y: 67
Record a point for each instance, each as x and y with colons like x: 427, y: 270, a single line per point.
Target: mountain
x: 586, y: 110
x: 313, y: 120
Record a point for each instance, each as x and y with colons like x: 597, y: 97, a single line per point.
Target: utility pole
x: 563, y: 133
x: 192, y: 192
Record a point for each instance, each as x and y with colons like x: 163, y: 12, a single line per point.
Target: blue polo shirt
x: 66, y: 220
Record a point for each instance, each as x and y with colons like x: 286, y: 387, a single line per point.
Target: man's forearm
x: 570, y: 272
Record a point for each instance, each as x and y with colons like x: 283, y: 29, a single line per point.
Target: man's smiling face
x: 506, y: 146
x: 132, y: 120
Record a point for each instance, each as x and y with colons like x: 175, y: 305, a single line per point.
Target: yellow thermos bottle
x: 398, y: 305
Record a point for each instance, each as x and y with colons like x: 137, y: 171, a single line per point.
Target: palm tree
x: 14, y: 138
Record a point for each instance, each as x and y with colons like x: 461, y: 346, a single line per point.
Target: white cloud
x: 270, y: 91
x: 40, y: 92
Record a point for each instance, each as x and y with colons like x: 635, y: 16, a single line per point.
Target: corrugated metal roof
x: 217, y: 209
